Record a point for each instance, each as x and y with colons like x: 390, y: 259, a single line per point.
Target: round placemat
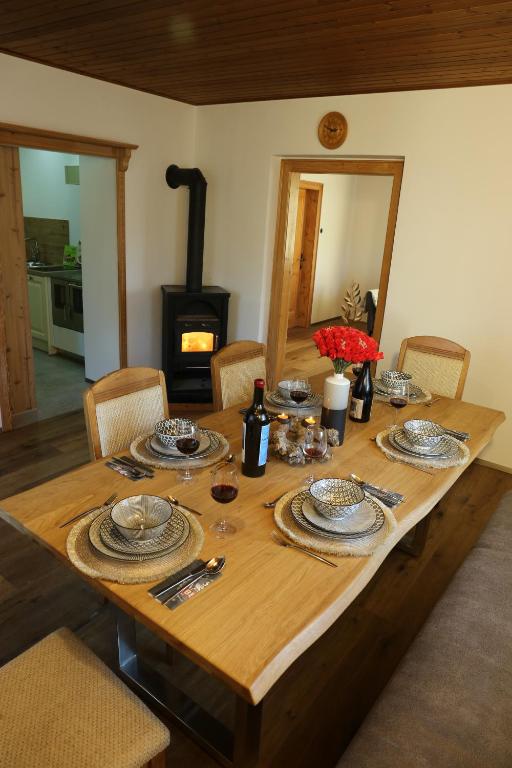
x: 97, y: 566
x: 140, y: 453
x: 360, y: 547
x: 461, y: 457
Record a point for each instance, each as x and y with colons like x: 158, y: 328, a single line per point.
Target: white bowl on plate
x: 139, y: 518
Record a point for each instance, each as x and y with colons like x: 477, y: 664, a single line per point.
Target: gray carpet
x: 59, y: 384
x: 449, y: 704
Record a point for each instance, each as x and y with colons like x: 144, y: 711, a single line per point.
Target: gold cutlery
x: 284, y: 543
x: 431, y: 402
x: 407, y: 464
x: 88, y: 511
x: 173, y: 500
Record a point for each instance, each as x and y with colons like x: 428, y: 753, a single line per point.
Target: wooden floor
x: 39, y: 594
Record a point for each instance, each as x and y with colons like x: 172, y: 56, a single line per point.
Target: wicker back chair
x: 234, y: 369
x: 437, y: 364
x: 122, y: 405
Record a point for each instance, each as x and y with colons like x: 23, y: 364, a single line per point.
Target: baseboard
x: 24, y: 418
x: 492, y: 465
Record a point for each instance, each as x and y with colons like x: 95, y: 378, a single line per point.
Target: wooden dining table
x: 250, y: 627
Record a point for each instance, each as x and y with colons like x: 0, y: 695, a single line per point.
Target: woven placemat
x: 361, y: 547
x: 84, y: 557
x: 425, y: 397
x: 140, y: 453
x: 461, y: 458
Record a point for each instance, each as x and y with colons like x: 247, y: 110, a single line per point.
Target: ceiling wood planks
x: 204, y: 52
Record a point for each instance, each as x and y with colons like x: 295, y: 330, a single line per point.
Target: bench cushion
x: 61, y: 707
x: 449, y: 703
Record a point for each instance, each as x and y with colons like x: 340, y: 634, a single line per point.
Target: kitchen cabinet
x: 40, y: 302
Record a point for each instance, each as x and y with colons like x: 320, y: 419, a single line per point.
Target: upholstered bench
x: 61, y: 707
x: 449, y: 703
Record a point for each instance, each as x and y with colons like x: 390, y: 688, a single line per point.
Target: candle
x: 309, y: 422
x: 283, y: 418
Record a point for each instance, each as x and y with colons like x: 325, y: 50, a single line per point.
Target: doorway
x: 293, y: 173
x: 309, y: 207
x: 29, y: 335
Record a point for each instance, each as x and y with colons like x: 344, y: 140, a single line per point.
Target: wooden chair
x: 437, y: 364
x: 121, y: 406
x: 64, y: 707
x: 234, y: 369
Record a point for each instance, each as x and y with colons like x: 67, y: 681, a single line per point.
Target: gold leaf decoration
x: 352, y: 307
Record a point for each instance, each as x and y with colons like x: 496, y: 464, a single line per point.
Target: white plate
x: 204, y: 444
x: 447, y: 448
x: 414, y: 390
x: 359, y: 522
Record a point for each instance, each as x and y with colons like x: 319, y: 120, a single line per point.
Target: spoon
x: 213, y: 566
x: 174, y: 500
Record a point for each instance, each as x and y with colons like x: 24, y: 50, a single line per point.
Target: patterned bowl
x: 423, y: 433
x: 336, y: 498
x: 169, y: 431
x: 394, y: 380
x: 139, y: 518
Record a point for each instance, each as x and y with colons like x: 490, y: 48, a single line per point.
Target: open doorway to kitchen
x: 335, y: 230
x: 62, y: 262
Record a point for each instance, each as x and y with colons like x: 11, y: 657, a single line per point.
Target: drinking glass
x: 224, y: 489
x: 187, y: 445
x: 315, y: 442
x: 299, y: 392
x: 399, y: 399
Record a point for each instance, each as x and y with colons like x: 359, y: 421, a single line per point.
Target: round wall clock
x: 332, y: 130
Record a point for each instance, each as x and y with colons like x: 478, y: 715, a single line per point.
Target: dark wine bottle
x: 362, y: 395
x: 256, y: 433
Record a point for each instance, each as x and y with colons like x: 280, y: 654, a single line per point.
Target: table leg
x: 413, y: 543
x: 238, y: 748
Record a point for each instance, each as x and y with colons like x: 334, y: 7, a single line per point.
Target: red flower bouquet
x: 345, y: 346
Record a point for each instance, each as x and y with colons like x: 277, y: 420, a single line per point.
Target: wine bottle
x: 256, y: 433
x: 362, y: 395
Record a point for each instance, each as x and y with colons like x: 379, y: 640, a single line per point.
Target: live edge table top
x: 271, y: 603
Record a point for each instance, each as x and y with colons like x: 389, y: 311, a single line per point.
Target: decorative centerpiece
x: 344, y: 346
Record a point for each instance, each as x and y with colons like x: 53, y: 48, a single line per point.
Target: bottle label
x: 265, y: 432
x: 356, y: 408
x: 243, y: 442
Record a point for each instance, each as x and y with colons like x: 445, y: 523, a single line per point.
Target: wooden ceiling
x: 217, y: 51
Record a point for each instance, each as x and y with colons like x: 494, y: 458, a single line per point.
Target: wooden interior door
x: 17, y: 392
x: 304, y: 256
x: 297, y: 258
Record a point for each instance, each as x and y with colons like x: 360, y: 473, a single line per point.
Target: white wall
x: 45, y: 192
x: 99, y: 265
x: 451, y: 270
x: 156, y: 222
x: 353, y: 224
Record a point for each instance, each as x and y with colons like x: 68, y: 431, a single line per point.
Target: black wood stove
x: 195, y: 317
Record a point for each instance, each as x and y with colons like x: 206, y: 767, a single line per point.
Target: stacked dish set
x: 337, y: 509
x: 426, y: 439
x: 393, y: 383
x: 281, y: 397
x: 162, y: 444
x: 139, y: 528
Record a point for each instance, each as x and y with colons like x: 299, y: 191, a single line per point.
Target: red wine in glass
x: 299, y: 395
x: 314, y: 453
x: 224, y: 489
x: 398, y: 402
x: 224, y: 493
x: 187, y: 445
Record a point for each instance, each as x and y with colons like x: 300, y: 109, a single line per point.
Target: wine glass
x: 399, y: 399
x: 315, y: 442
x: 224, y: 489
x: 299, y: 392
x: 187, y: 445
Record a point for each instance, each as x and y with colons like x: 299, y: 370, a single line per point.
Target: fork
x: 271, y: 504
x: 88, y: 511
x: 284, y: 543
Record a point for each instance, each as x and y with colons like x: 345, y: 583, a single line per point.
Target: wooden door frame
x: 37, y: 138
x: 317, y: 187
x: 284, y: 239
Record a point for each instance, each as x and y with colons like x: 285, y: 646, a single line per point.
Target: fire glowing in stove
x: 197, y: 341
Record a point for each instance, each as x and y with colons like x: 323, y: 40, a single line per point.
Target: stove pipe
x: 196, y: 183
